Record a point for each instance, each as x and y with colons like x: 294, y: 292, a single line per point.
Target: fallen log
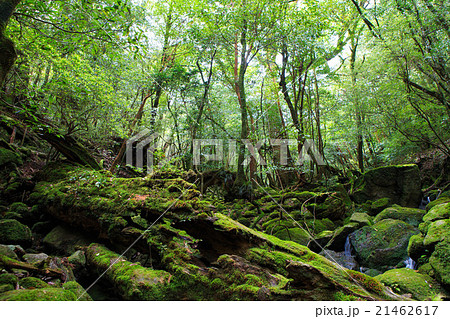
x: 10, y: 263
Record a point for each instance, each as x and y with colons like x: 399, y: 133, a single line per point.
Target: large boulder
x: 383, y: 245
x: 399, y: 183
x: 13, y: 232
x: 440, y: 261
x: 408, y: 281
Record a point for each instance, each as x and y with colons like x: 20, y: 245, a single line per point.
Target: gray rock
x: 35, y: 259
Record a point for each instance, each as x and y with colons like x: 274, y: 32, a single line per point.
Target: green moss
x: 9, y: 157
x: 437, y: 232
x: 361, y: 219
x: 410, y: 216
x: 78, y: 290
x: 380, y: 204
x: 416, y: 248
x: 6, y: 287
x: 13, y: 232
x: 44, y: 294
x: 439, y: 211
x: 19, y: 208
x: 131, y: 280
x: 341, y: 296
x: 439, y: 201
x: 8, y: 279
x: 384, y: 244
x: 31, y: 282
x: 408, y: 281
x: 440, y: 261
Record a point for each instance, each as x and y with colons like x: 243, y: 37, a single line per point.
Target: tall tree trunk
x: 240, y: 90
x: 7, y: 51
x: 358, y: 117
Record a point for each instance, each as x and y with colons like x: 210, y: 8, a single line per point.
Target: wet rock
x: 379, y: 205
x: 14, y: 232
x: 400, y: 183
x: 416, y: 248
x: 337, y: 242
x: 382, y: 245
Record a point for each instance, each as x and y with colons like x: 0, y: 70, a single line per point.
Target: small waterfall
x: 411, y: 264
x: 348, y: 248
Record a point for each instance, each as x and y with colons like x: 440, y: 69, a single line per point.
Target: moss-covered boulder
x: 8, y: 251
x: 439, y: 201
x: 362, y: 219
x: 43, y: 294
x: 8, y: 156
x: 382, y: 245
x: 35, y: 259
x: 412, y: 216
x: 408, y: 281
x: 33, y: 283
x: 379, y: 205
x: 64, y: 240
x: 437, y: 231
x: 13, y: 232
x: 399, y: 183
x: 440, y: 262
x: 436, y: 212
x: 416, y: 248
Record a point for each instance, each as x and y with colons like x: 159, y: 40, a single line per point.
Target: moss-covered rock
x: 8, y: 251
x: 440, y: 261
x: 412, y: 216
x: 439, y: 201
x: 8, y: 279
x: 437, y: 231
x: 6, y: 287
x: 43, y: 294
x: 362, y: 219
x: 408, y: 281
x: 436, y: 212
x: 33, y: 283
x: 13, y: 232
x: 399, y: 183
x: 64, y: 240
x: 416, y: 248
x: 35, y: 259
x: 78, y: 290
x: 382, y: 245
x: 132, y: 281
x: 379, y: 205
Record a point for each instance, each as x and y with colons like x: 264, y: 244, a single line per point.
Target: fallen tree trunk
x: 10, y: 263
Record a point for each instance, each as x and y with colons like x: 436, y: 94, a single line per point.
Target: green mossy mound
x: 382, y: 245
x: 437, y: 231
x: 439, y: 201
x: 43, y: 294
x: 33, y: 283
x: 411, y: 216
x: 408, y: 281
x: 13, y: 232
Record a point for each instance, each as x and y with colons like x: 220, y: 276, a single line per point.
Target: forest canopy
x: 366, y: 81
